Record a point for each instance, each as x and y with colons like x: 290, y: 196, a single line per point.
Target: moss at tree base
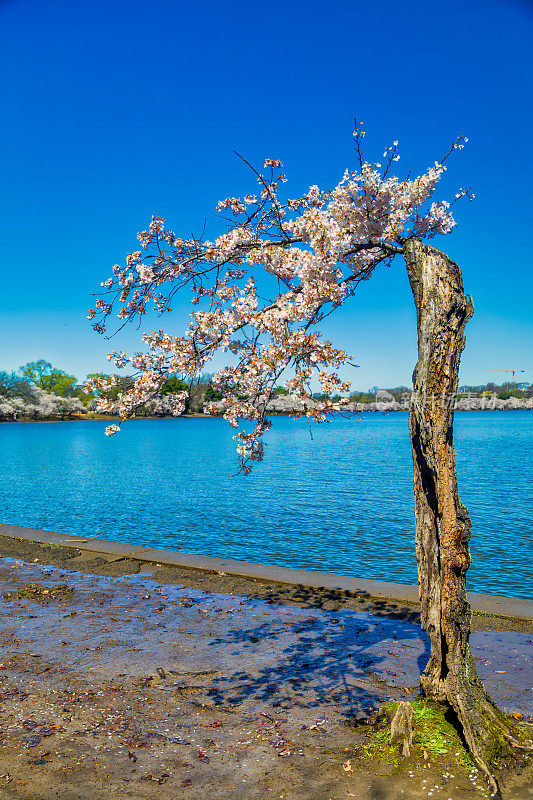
x: 438, y: 744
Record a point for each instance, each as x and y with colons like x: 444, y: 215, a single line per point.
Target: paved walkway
x: 252, y: 648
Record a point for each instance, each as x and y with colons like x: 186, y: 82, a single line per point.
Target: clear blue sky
x: 115, y: 110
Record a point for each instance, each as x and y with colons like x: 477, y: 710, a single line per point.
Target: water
x: 341, y: 503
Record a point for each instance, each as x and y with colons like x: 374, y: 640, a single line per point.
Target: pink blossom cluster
x: 313, y: 252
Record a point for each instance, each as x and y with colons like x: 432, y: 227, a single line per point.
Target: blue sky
x: 116, y: 110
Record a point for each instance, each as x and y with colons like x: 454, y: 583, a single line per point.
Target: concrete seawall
x: 485, y: 603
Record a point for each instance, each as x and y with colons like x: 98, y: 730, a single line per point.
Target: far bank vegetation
x: 40, y: 391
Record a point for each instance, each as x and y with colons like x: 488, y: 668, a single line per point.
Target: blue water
x: 341, y: 503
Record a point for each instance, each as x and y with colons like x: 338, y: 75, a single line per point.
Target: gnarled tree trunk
x: 442, y: 522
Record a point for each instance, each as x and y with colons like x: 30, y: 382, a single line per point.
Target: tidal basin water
x: 340, y: 502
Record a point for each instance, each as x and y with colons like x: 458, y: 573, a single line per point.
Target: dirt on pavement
x: 141, y: 681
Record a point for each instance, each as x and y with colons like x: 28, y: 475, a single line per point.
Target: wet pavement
x: 126, y: 687
x: 251, y: 650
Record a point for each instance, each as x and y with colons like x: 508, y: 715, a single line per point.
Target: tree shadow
x: 348, y: 658
x: 336, y: 600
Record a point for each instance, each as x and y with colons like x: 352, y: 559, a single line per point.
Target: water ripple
x: 341, y: 503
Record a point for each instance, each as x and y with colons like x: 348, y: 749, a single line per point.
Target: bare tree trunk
x: 442, y: 523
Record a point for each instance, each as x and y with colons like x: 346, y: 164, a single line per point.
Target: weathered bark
x: 442, y: 523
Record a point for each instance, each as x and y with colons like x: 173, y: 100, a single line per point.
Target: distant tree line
x: 502, y: 391
x: 38, y: 390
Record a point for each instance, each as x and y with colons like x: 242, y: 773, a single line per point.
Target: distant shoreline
x: 114, y: 419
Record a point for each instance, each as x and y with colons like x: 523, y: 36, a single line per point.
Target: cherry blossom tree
x: 42, y: 405
x: 258, y: 292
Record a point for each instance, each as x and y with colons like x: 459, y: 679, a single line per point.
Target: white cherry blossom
x: 313, y: 251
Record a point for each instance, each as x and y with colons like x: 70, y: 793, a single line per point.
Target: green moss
x: 434, y: 737
x: 436, y: 740
x: 492, y: 615
x: 431, y: 730
x: 39, y: 594
x: 524, y: 733
x: 497, y: 748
